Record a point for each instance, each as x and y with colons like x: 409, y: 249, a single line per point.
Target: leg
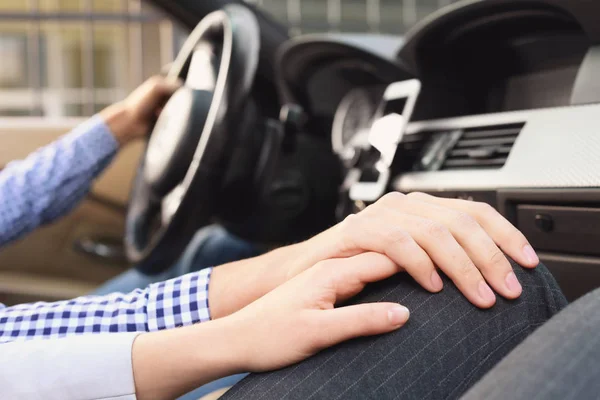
x: 447, y: 345
x: 561, y: 360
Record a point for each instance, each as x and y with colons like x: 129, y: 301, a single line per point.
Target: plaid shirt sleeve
x: 170, y: 304
x: 51, y: 181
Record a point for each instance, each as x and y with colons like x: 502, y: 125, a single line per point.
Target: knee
x: 540, y: 287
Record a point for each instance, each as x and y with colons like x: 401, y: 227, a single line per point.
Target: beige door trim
x: 21, y: 136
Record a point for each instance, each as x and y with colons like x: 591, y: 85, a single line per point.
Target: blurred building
x: 375, y: 16
x: 71, y: 58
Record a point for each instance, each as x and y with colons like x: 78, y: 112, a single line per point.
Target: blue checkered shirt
x: 49, y: 184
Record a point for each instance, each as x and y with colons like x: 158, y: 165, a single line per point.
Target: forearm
x: 90, y: 367
x: 233, y: 286
x: 52, y: 181
x: 160, y: 365
x: 170, y: 363
x: 174, y: 303
x: 121, y: 123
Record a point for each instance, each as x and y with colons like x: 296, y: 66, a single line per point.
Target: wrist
x: 233, y: 286
x: 232, y: 350
x: 306, y: 254
x: 169, y: 363
x: 222, y: 352
x: 120, y: 122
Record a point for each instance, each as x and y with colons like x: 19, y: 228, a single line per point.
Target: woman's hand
x: 421, y: 233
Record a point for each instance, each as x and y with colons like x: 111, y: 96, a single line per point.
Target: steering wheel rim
x: 198, y: 127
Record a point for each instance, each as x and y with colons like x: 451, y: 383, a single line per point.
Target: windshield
x: 394, y: 17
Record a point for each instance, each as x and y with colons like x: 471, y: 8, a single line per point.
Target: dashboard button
x: 544, y: 222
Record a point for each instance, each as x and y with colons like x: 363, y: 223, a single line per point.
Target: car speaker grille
x: 482, y: 148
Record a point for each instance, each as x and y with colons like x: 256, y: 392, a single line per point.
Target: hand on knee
x: 421, y: 233
x: 299, y: 318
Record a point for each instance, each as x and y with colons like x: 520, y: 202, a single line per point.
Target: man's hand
x: 291, y: 323
x: 133, y: 117
x: 420, y: 233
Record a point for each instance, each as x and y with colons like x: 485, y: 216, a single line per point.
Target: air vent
x: 482, y: 148
x: 410, y: 151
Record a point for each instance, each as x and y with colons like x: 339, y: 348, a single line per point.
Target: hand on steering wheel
x: 133, y: 117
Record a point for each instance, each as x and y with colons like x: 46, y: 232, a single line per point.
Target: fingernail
x: 512, y: 283
x: 436, y: 281
x: 530, y: 255
x: 398, y: 315
x: 486, y: 293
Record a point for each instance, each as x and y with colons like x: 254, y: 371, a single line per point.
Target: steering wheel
x: 180, y: 177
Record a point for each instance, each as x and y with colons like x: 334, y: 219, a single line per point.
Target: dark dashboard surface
x: 317, y: 71
x: 492, y: 59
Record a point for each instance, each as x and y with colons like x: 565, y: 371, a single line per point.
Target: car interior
x: 278, y: 137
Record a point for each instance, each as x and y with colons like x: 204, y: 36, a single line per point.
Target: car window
x: 71, y: 58
x: 356, y: 16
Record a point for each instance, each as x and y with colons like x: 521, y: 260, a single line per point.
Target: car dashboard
x: 507, y: 114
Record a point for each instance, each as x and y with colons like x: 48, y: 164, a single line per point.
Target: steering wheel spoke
x: 205, y: 62
x: 170, y: 203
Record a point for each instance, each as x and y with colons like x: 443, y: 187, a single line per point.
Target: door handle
x: 107, y: 249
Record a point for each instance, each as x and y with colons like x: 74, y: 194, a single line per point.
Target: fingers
x: 478, y: 246
x: 464, y: 239
x: 450, y: 257
x: 397, y: 243
x: 417, y: 245
x: 161, y: 88
x: 166, y: 86
x: 419, y: 235
x: 508, y: 238
x: 350, y: 275
x: 477, y: 241
x: 346, y: 323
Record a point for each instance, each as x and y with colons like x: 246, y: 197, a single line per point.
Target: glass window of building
x: 356, y: 16
x: 71, y: 58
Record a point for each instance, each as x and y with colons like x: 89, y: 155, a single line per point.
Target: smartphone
x: 385, y: 135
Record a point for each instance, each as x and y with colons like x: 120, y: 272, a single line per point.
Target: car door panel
x: 53, y: 253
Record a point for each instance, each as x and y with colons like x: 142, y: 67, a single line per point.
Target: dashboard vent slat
x: 491, y: 141
x: 410, y: 150
x: 494, y: 133
x: 458, y: 164
x: 465, y: 152
x: 482, y: 147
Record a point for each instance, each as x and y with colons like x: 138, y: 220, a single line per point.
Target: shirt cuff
x: 179, y: 302
x: 78, y: 367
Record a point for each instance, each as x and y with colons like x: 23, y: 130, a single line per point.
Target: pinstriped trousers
x: 560, y: 361
x: 444, y: 349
